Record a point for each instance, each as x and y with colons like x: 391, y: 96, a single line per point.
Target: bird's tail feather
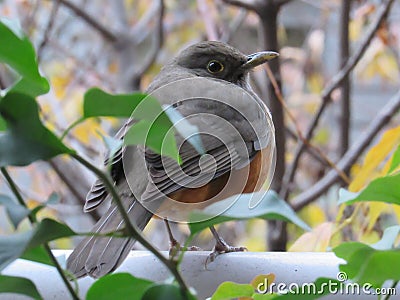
x: 96, y: 256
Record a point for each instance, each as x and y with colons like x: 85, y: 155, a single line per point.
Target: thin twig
x: 104, y: 31
x: 158, y: 39
x: 249, y: 5
x: 234, y: 26
x: 142, y: 28
x: 47, y: 31
x: 331, y: 86
x: 351, y: 156
x: 130, y: 227
x: 293, y: 135
x: 281, y: 2
x: 211, y: 27
x: 279, y: 96
x: 33, y: 221
x: 344, y: 120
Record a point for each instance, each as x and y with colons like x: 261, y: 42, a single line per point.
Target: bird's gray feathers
x: 97, y: 256
x: 240, y: 118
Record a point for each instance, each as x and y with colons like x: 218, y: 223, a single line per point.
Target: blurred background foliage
x: 121, y: 45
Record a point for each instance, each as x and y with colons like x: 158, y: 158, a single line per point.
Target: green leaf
x: 48, y: 230
x: 230, y: 290
x: 38, y: 254
x: 3, y: 125
x: 18, y: 285
x: 152, y: 127
x: 13, y: 246
x: 395, y: 160
x: 17, y: 51
x: 15, y: 211
x: 118, y: 286
x: 382, y: 189
x: 365, y: 264
x: 26, y: 139
x: 158, y: 138
x: 165, y: 292
x: 270, y: 207
x: 97, y: 103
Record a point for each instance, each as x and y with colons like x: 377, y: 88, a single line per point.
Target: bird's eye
x: 215, y: 66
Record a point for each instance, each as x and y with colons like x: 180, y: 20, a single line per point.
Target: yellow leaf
x: 83, y: 132
x: 396, y: 210
x: 340, y: 212
x: 375, y: 210
x: 31, y: 203
x: 315, y: 241
x: 369, y: 70
x: 60, y: 75
x: 322, y: 136
x: 375, y: 156
x: 355, y: 28
x: 369, y: 237
x: 315, y: 83
x: 387, y: 66
x: 314, y: 214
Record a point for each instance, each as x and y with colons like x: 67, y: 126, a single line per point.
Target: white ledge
x: 289, y: 268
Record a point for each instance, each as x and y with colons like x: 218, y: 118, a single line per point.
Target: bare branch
x: 298, y: 131
x: 48, y: 29
x: 120, y: 11
x: 314, y: 154
x: 158, y: 39
x: 234, y: 26
x: 332, y: 85
x: 351, y: 156
x: 249, y: 5
x: 142, y: 28
x: 344, y: 120
x: 104, y: 31
x: 211, y: 28
x: 281, y: 2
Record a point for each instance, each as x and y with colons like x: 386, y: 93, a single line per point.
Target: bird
x: 236, y: 134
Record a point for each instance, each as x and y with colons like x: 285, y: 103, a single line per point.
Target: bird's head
x: 219, y: 60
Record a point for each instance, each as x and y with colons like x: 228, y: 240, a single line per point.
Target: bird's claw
x: 220, y: 248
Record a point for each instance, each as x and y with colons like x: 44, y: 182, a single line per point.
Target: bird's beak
x: 256, y: 59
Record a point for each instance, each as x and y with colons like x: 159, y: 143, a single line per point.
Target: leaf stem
x: 70, y: 127
x: 131, y: 228
x: 33, y: 221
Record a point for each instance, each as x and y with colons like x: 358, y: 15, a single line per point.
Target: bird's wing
x: 228, y: 138
x: 232, y: 139
x: 98, y: 192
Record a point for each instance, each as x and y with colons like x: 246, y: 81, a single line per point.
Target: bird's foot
x: 222, y: 247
